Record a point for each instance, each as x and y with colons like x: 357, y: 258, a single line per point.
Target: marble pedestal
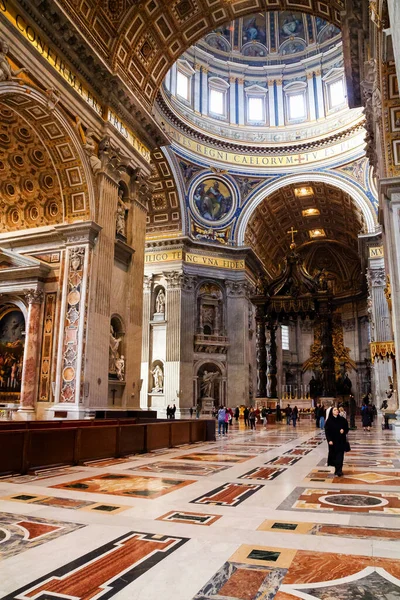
x: 207, y: 405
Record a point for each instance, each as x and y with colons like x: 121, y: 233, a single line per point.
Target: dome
x: 273, y: 78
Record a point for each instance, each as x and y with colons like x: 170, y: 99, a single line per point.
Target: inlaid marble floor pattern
x: 256, y: 515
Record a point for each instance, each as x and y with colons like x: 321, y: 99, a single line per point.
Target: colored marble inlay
x: 299, y: 574
x: 125, y: 485
x: 38, y: 475
x: 109, y: 462
x: 285, y: 461
x: 19, y: 533
x: 104, y: 571
x: 189, y: 518
x: 299, y: 451
x: 356, y: 477
x: 263, y: 473
x: 387, y: 503
x: 322, y: 529
x: 358, y: 463
x: 205, y: 457
x: 230, y: 494
x: 181, y: 468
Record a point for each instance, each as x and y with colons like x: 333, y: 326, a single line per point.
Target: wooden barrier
x: 31, y: 448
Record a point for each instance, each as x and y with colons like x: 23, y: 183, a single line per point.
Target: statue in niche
x: 121, y: 215
x: 120, y: 367
x: 89, y: 145
x: 207, y: 383
x: 160, y: 302
x: 158, y: 379
x: 113, y: 351
x: 7, y: 73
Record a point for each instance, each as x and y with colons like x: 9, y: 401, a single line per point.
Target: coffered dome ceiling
x: 327, y: 223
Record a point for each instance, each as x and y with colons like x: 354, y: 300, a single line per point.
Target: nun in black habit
x: 336, y: 429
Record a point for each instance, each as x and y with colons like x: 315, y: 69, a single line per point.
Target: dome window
x: 218, y: 97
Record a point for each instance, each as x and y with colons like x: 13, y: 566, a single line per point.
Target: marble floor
x: 256, y: 515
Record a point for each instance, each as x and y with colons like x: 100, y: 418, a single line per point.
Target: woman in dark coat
x: 336, y: 428
x: 366, y: 416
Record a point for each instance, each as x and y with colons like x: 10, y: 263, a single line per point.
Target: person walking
x: 288, y: 411
x: 342, y: 412
x: 278, y: 413
x: 237, y: 413
x: 366, y: 416
x: 264, y: 415
x: 221, y: 420
x: 191, y: 411
x: 173, y: 412
x: 252, y: 418
x: 295, y: 415
x: 321, y: 416
x: 246, y: 416
x: 336, y: 429
x: 168, y: 412
x: 316, y: 414
x: 227, y: 419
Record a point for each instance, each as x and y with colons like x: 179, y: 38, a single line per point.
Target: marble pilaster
x: 320, y: 95
x: 280, y: 104
x: 173, y: 316
x: 204, y: 91
x: 29, y: 387
x: 240, y: 101
x: 311, y: 96
x: 196, y: 97
x: 271, y: 103
x: 390, y: 202
x: 147, y: 284
x: 232, y: 101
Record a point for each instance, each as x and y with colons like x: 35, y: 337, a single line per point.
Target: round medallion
x: 74, y: 297
x: 353, y: 500
x: 213, y: 200
x: 68, y: 374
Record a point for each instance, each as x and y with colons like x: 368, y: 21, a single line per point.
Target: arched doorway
x: 12, y: 342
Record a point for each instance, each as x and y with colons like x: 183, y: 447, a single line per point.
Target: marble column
x: 261, y: 354
x: 272, y: 369
x: 33, y: 326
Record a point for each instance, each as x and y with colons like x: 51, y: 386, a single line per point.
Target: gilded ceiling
x: 142, y: 40
x: 312, y: 209
x: 30, y: 194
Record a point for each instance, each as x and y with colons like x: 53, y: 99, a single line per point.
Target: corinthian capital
x: 34, y: 296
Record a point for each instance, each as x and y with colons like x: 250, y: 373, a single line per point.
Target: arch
x: 62, y: 144
x: 360, y: 198
x: 12, y: 346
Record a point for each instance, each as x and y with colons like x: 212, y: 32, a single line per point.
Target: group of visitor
x: 292, y: 415
x: 171, y: 410
x: 225, y: 419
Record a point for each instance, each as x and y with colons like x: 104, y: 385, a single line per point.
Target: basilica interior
x: 200, y: 208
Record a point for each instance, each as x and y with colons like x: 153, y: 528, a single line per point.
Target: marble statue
x: 158, y: 378
x: 160, y: 302
x: 120, y: 367
x: 113, y: 350
x: 120, y: 225
x: 7, y: 73
x: 207, y: 383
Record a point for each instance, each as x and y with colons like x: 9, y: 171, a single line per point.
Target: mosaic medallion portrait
x: 212, y: 200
